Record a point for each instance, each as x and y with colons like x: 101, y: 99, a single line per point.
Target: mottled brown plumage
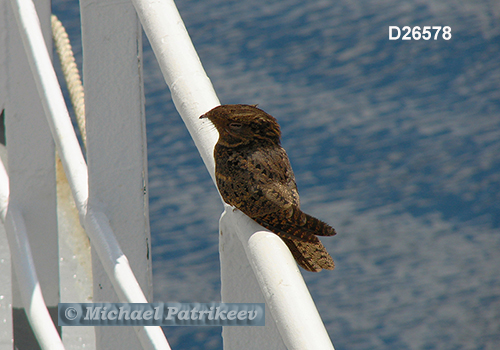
x: 254, y: 175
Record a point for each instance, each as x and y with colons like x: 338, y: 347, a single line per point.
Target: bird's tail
x: 316, y: 226
x: 296, y: 224
x: 298, y: 230
x: 311, y: 256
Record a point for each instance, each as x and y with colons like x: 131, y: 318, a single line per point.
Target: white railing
x: 94, y: 221
x: 269, y: 275
x: 24, y: 266
x: 281, y: 284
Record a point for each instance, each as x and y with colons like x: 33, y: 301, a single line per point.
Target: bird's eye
x: 235, y: 126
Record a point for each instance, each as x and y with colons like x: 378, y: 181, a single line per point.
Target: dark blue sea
x: 394, y: 143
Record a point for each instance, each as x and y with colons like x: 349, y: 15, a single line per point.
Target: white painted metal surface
x: 31, y: 156
x: 192, y: 91
x: 94, y: 221
x: 281, y: 284
x: 6, y: 324
x: 296, y: 320
x: 22, y: 259
x: 285, y: 292
x: 75, y: 263
x: 239, y: 284
x: 116, y: 145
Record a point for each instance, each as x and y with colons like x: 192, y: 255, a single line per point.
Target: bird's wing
x: 257, y: 181
x: 272, y: 180
x: 277, y: 197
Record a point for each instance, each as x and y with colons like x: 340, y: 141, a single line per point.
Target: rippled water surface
x: 395, y: 143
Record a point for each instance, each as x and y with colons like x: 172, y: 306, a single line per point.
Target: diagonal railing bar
x: 291, y: 305
x: 29, y: 285
x: 193, y: 95
x: 95, y: 223
x: 192, y: 91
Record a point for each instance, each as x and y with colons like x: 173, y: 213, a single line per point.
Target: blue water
x: 395, y: 143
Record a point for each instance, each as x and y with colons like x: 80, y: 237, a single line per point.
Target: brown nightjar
x: 254, y: 175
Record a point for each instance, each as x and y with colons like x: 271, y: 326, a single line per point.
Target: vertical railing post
x: 31, y: 159
x: 75, y: 267
x: 6, y: 334
x: 193, y: 95
x: 116, y: 145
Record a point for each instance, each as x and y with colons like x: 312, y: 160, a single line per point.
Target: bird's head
x: 243, y: 124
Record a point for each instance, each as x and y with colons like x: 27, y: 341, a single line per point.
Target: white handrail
x: 22, y: 259
x: 294, y: 312
x: 192, y: 91
x: 193, y: 95
x: 95, y: 222
x: 285, y: 292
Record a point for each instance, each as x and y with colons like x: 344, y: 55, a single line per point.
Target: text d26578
x: 417, y: 33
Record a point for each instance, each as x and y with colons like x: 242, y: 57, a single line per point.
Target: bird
x: 254, y: 175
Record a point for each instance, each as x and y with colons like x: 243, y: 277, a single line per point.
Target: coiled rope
x: 71, y: 73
